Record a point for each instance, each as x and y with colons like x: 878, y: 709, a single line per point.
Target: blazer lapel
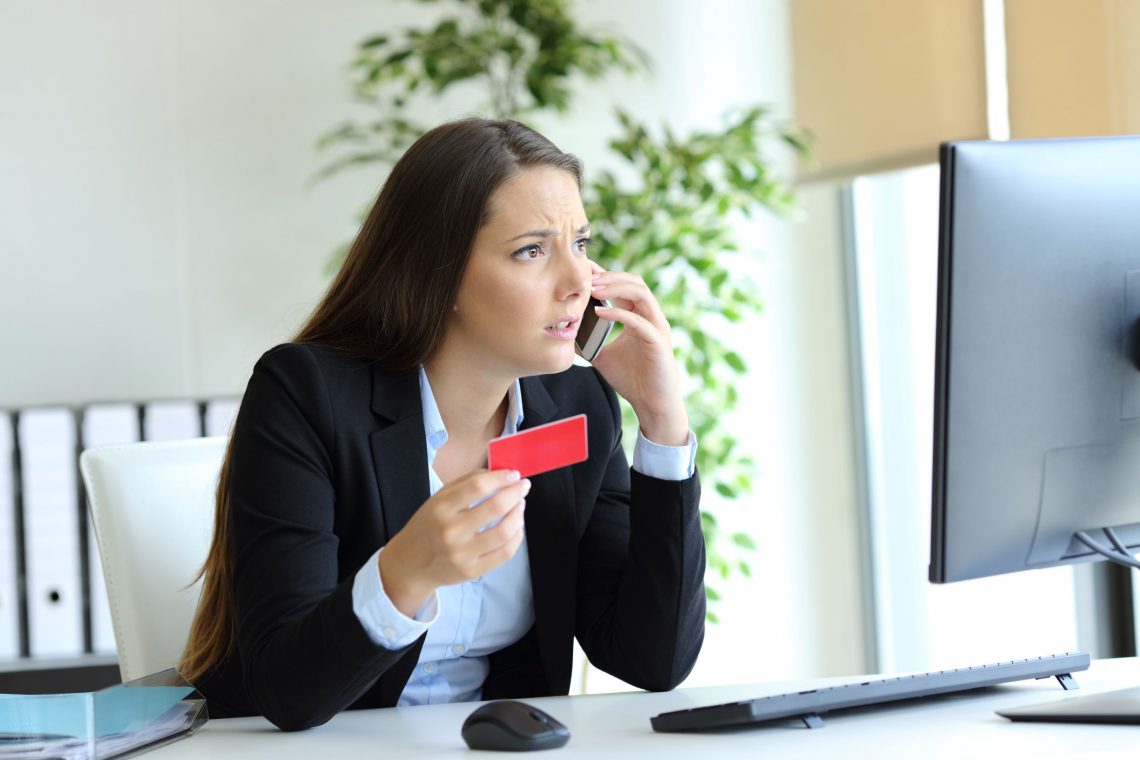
x: 399, y: 449
x: 399, y: 455
x: 550, y: 527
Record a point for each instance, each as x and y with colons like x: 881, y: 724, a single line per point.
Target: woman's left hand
x: 640, y: 364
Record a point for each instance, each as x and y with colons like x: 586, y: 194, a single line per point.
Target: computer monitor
x: 1037, y: 373
x: 1037, y: 389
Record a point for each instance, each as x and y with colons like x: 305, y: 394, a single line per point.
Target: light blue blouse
x: 468, y: 621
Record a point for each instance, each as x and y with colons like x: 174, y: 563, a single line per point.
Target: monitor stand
x: 1122, y: 706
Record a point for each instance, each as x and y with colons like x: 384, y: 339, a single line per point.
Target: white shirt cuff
x: 664, y: 462
x: 386, y: 625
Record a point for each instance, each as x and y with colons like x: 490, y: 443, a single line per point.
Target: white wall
x: 157, y: 233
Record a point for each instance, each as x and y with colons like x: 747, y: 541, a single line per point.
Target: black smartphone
x: 593, y: 331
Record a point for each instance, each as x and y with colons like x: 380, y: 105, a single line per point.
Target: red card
x: 546, y: 447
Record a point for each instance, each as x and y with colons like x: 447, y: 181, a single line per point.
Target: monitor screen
x: 1037, y: 389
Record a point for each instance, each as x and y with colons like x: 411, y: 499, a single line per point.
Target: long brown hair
x: 390, y: 301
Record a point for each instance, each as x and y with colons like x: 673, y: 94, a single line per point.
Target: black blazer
x: 329, y: 462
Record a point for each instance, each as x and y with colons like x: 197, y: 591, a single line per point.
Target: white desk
x: 617, y: 725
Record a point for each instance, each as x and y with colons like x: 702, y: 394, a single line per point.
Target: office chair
x: 152, y: 505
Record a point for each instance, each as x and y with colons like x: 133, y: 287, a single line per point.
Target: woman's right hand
x: 444, y: 542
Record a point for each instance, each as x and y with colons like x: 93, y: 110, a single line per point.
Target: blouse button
x: 429, y: 667
x: 458, y: 649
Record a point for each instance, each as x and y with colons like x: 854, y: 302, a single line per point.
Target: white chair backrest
x: 152, y: 505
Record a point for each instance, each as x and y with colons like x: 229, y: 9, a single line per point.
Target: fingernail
x: 513, y: 475
x: 601, y: 308
x: 526, y: 486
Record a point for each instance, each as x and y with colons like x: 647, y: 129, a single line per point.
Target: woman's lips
x: 564, y: 333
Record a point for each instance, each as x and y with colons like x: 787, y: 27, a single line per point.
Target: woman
x: 363, y: 555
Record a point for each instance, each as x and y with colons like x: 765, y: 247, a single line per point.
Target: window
x: 919, y: 625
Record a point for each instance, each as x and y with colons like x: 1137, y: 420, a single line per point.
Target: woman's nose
x: 574, y: 277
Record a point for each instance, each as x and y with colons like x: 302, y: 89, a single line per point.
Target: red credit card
x: 543, y: 448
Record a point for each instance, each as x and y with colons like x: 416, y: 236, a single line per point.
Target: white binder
x: 104, y: 424
x: 52, y: 517
x: 51, y: 524
x: 172, y: 421
x: 9, y: 601
x: 220, y: 416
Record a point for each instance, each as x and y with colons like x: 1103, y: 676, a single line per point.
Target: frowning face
x: 527, y: 281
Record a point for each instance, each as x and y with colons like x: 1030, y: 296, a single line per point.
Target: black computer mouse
x: 512, y: 726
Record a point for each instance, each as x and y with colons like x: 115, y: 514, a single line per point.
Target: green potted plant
x: 674, y: 223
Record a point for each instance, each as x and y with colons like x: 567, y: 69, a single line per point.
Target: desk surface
x: 617, y: 725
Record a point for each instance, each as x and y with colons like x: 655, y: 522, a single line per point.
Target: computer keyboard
x: 809, y: 705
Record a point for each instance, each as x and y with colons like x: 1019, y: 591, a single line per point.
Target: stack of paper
x: 122, y: 719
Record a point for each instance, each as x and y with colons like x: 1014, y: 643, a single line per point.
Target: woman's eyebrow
x: 545, y: 234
